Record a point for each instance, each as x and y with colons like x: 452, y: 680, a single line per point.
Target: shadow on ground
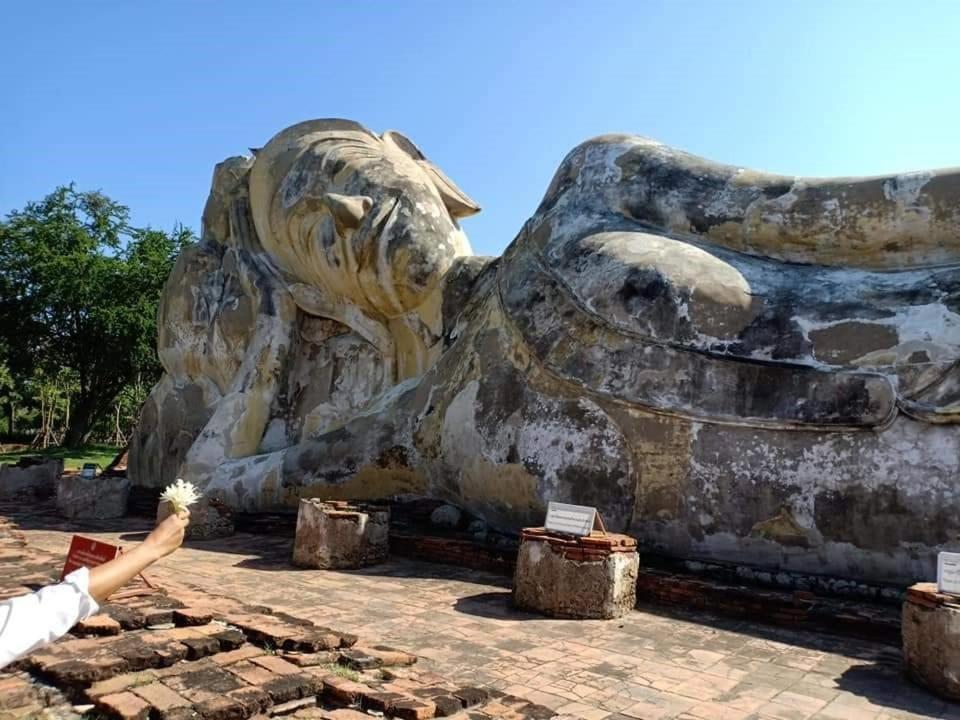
x: 277, y: 557
x: 496, y: 605
x: 880, y: 680
x: 42, y: 515
x: 811, y: 638
x: 885, y: 683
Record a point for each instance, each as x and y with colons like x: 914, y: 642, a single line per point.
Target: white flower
x: 181, y: 495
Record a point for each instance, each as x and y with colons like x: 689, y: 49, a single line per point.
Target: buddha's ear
x: 458, y: 203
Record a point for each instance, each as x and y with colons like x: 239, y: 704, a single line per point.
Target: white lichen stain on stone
x: 545, y: 439
x: 932, y: 327
x: 833, y: 464
x: 905, y: 189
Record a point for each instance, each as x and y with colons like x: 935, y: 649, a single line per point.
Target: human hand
x: 168, y: 535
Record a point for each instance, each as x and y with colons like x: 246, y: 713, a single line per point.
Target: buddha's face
x: 367, y: 219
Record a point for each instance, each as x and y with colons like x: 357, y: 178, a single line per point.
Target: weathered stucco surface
x: 30, y: 478
x: 730, y: 365
x: 97, y: 498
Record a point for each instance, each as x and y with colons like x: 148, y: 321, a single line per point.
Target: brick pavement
x: 650, y: 665
x: 180, y: 653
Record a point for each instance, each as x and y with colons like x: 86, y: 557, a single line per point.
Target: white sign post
x: 570, y: 519
x: 948, y: 573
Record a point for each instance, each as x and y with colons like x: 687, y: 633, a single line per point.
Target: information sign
x: 948, y: 573
x: 87, y: 553
x: 570, y: 519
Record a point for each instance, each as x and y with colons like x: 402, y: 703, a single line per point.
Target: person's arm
x: 167, y: 536
x: 31, y: 621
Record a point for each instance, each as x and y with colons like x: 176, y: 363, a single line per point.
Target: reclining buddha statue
x: 730, y: 365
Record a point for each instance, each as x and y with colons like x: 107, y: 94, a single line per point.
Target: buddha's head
x: 365, y: 218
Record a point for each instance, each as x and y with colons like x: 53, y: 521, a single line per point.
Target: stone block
x: 310, y: 640
x: 284, y: 688
x: 221, y: 708
x: 159, y: 696
x: 447, y: 705
x: 570, y: 578
x: 359, y: 660
x: 209, y: 519
x: 129, y: 618
x: 931, y: 639
x: 184, y: 617
x: 411, y: 709
x: 119, y: 684
x: 311, y: 659
x: 164, y: 647
x: 345, y: 714
x: 270, y: 631
x: 254, y: 699
x: 471, y: 696
x: 250, y: 673
x: 446, y: 516
x: 341, y: 691
x: 293, y: 706
x: 15, y: 692
x: 86, y: 670
x: 387, y: 656
x: 124, y: 705
x: 30, y: 478
x: 200, y: 647
x: 97, y: 625
x: 229, y: 639
x: 93, y: 498
x: 333, y: 535
x: 235, y: 656
x: 276, y: 665
x: 379, y: 702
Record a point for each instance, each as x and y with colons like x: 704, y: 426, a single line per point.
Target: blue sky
x: 140, y: 100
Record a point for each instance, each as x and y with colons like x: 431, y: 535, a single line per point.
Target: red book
x: 87, y: 553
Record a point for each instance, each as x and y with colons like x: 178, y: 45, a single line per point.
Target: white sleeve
x: 29, y: 622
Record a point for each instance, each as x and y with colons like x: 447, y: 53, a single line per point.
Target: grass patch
x: 73, y: 458
x: 144, y: 678
x: 342, y: 671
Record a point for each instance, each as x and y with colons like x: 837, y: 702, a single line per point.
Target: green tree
x: 52, y: 394
x: 79, y: 288
x: 8, y: 392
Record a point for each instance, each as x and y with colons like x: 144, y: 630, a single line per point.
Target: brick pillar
x: 338, y: 534
x: 931, y: 639
x: 576, y: 577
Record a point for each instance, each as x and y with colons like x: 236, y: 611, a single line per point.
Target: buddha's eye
x: 325, y: 232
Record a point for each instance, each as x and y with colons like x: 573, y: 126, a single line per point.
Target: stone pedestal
x: 93, y: 498
x: 569, y: 577
x: 30, y: 478
x: 931, y: 639
x: 341, y: 535
x: 209, y: 519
